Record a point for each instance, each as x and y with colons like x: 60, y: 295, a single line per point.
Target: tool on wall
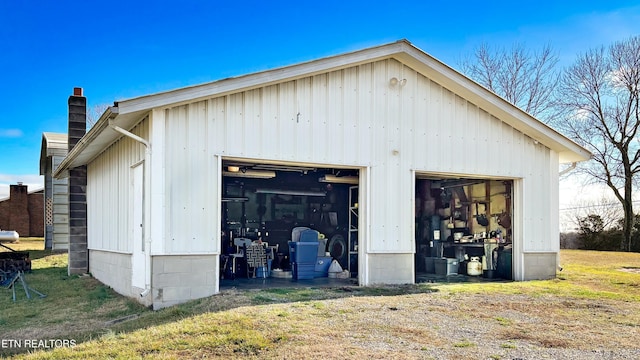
x: 481, y: 218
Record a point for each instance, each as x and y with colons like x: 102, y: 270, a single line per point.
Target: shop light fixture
x: 255, y: 174
x: 291, y: 192
x: 339, y: 179
x: 235, y: 199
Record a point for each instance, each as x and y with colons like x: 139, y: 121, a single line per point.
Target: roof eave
x: 73, y: 158
x: 262, y: 79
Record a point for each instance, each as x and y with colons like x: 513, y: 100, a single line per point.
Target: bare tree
x: 524, y: 78
x: 605, y: 208
x: 600, y: 97
x: 94, y: 113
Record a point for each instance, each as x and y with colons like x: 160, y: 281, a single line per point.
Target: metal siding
x: 61, y: 209
x: 216, y: 205
x: 156, y: 182
x: 301, y: 123
x: 63, y: 221
x: 59, y: 189
x: 253, y: 119
x: 177, y: 172
x: 188, y: 181
x: 538, y: 219
x: 318, y: 104
x: 380, y: 206
x: 270, y: 118
x: 201, y: 200
x: 235, y: 123
x: 216, y: 117
x: 364, y: 133
x: 335, y: 117
x: 406, y: 155
x: 553, y: 204
x: 351, y: 125
x: 432, y: 151
x: 471, y: 136
x: 350, y: 117
x: 286, y: 117
x: 393, y: 171
x: 108, y: 208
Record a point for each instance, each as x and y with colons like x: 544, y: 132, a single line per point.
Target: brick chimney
x: 19, y: 214
x: 78, y: 250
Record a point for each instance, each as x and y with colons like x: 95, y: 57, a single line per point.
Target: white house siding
x: 60, y: 208
x: 56, y: 208
x: 108, y: 198
x: 56, y: 194
x: 352, y: 117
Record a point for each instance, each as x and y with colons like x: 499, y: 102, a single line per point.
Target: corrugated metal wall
x: 190, y: 183
x: 353, y: 117
x: 108, y: 198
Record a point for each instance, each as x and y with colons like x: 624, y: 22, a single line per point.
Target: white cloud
x: 33, y: 182
x: 11, y: 133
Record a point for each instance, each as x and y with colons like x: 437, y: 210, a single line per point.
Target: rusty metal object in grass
x: 14, y: 260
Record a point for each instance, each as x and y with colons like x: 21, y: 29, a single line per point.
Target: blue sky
x: 122, y: 49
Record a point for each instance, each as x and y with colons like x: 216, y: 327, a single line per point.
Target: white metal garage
x: 390, y: 115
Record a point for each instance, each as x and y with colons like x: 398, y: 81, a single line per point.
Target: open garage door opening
x: 463, y: 229
x: 272, y: 204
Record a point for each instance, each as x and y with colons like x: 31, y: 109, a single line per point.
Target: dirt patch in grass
x: 635, y: 270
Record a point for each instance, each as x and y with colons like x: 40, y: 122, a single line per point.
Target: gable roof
x: 127, y: 113
x: 52, y: 144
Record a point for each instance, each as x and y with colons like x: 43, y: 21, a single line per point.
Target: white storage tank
x: 11, y: 236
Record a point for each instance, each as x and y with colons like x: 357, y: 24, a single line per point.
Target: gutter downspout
x: 147, y: 204
x: 570, y: 168
x: 131, y: 135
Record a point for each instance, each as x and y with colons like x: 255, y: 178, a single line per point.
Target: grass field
x: 591, y: 309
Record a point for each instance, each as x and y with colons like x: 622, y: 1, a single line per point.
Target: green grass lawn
x: 255, y: 323
x: 68, y: 299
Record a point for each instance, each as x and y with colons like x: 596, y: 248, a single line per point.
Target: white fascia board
x: 260, y: 79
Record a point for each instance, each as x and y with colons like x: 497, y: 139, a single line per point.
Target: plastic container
x: 429, y: 264
x: 462, y: 267
x: 489, y: 274
x: 322, y: 266
x: 322, y: 247
x: 303, y: 252
x: 309, y: 235
x: 303, y: 271
x: 504, y: 265
x: 446, y: 266
x: 262, y: 272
